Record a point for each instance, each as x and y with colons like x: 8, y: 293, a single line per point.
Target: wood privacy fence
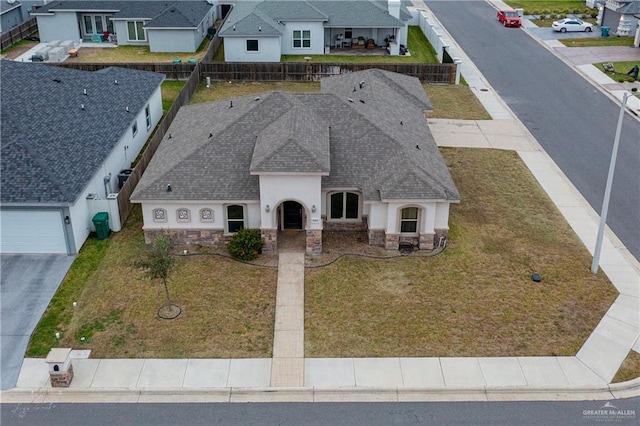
x: 124, y: 195
x: 296, y: 71
x: 181, y: 71
x: 18, y: 33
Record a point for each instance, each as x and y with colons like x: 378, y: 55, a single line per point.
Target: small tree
x: 159, y: 263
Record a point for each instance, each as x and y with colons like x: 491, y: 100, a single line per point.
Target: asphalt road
x: 27, y: 285
x: 571, y: 119
x: 546, y: 413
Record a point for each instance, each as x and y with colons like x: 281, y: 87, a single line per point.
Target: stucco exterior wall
x: 317, y: 38
x: 174, y: 40
x: 235, y: 49
x: 60, y: 26
x: 305, y: 189
x: 11, y: 18
x: 123, y: 34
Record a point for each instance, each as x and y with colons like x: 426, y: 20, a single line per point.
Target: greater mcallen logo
x: 609, y: 413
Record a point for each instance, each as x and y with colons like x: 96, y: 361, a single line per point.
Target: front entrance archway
x: 292, y: 215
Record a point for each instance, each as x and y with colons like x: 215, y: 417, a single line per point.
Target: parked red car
x: 509, y: 18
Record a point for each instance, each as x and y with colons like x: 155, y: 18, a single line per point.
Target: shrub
x: 246, y: 244
x: 634, y: 89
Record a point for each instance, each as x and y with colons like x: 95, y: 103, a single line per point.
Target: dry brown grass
x: 228, y: 308
x: 454, y: 102
x: 17, y: 49
x: 234, y: 89
x: 630, y: 368
x: 127, y: 54
x: 476, y: 298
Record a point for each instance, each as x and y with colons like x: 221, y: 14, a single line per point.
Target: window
x: 159, y: 215
x: 96, y: 24
x: 134, y: 128
x: 147, y: 115
x: 183, y: 215
x: 348, y: 33
x: 235, y: 218
x: 301, y: 39
x: 252, y: 45
x: 136, y: 31
x: 206, y: 215
x: 409, y: 220
x: 344, y: 206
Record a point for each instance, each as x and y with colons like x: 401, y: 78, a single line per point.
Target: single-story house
x: 66, y: 135
x: 165, y: 26
x: 357, y: 156
x: 261, y: 31
x: 619, y: 15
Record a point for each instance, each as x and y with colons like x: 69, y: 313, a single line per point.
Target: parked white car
x: 565, y: 25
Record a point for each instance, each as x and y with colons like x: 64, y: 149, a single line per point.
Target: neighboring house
x: 358, y: 156
x: 620, y: 16
x: 66, y: 134
x: 261, y: 31
x: 165, y: 26
x: 10, y: 15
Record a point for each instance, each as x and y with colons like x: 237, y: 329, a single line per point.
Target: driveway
x: 27, y: 285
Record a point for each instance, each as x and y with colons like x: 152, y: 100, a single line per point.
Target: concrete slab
x: 602, y: 355
x: 543, y: 372
x: 162, y: 373
x: 595, y: 74
x: 287, y: 372
x: 33, y: 374
x: 578, y: 374
x: 288, y: 344
x: 249, y: 373
x: 328, y: 395
x: 206, y: 373
x: 502, y: 372
x: 462, y: 372
x: 221, y: 395
x: 269, y: 395
x: 83, y: 372
x: 421, y: 372
x: 117, y: 373
x: 618, y: 331
x: 329, y: 372
x: 378, y: 372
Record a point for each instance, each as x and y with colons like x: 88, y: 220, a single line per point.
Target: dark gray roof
x: 161, y: 13
x: 211, y: 148
x: 629, y: 8
x: 5, y: 7
x: 247, y: 16
x: 51, y: 147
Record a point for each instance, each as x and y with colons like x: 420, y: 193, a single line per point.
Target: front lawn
x: 228, y: 308
x: 477, y: 298
x: 622, y: 68
x: 557, y: 6
x: 597, y: 41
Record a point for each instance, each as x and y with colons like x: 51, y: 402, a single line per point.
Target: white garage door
x: 32, y: 231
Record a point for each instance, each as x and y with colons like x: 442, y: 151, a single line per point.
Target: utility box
x: 123, y: 176
x: 60, y: 368
x: 101, y: 222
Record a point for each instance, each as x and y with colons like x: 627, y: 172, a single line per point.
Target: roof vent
x: 57, y: 80
x: 234, y: 28
x: 81, y: 106
x: 354, y: 88
x: 126, y: 109
x: 84, y: 92
x: 350, y: 100
x: 361, y: 101
x: 259, y: 28
x: 401, y: 123
x: 417, y: 146
x: 361, y: 84
x: 230, y: 104
x: 210, y: 135
x: 170, y: 136
x: 169, y: 188
x: 257, y: 98
x: 115, y: 82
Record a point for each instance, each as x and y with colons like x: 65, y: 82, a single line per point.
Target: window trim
x: 202, y: 218
x: 137, y: 25
x: 160, y: 210
x: 344, y: 218
x: 246, y: 45
x: 416, y: 220
x: 147, y: 116
x: 134, y: 128
x: 301, y: 39
x: 185, y: 219
x: 227, y: 220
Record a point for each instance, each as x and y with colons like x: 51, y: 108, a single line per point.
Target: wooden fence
x: 296, y: 71
x: 124, y: 195
x: 18, y: 33
x: 181, y: 71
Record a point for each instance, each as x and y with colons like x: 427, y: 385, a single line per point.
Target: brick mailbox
x: 60, y: 368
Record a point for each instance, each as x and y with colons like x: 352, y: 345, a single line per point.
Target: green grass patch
x: 170, y: 91
x: 622, y: 68
x: 477, y: 298
x: 557, y: 6
x: 630, y: 368
x: 454, y: 102
x: 598, y: 41
x: 128, y: 54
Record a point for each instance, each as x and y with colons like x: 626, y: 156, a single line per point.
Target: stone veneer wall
x: 314, y: 241
x: 61, y: 379
x: 440, y: 233
x: 376, y: 237
x: 205, y: 237
x: 270, y: 239
x: 391, y: 241
x: 425, y: 242
x: 345, y: 226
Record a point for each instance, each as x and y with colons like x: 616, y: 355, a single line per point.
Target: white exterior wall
x: 235, y: 49
x: 81, y: 211
x: 187, y: 40
x: 442, y: 216
x: 60, y: 26
x: 123, y: 34
x: 377, y: 215
x: 305, y: 189
x: 426, y: 219
x: 252, y: 212
x: 317, y: 38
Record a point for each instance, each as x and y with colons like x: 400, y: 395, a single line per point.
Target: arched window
x: 235, y: 218
x: 159, y: 215
x: 344, y: 206
x: 409, y: 220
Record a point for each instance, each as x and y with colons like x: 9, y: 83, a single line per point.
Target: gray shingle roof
x: 247, y: 16
x: 161, y: 13
x: 372, y: 145
x: 51, y: 148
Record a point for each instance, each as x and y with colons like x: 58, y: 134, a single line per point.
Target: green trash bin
x: 604, y: 31
x: 101, y: 222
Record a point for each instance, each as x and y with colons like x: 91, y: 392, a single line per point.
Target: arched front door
x: 291, y: 215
